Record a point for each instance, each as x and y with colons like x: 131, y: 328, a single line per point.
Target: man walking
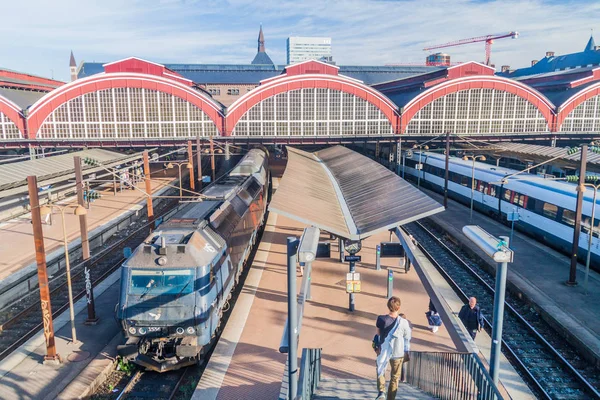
x: 390, y: 343
x: 471, y: 317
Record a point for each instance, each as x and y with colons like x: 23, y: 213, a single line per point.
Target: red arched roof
x: 478, y: 82
x: 572, y: 102
x: 47, y: 104
x: 12, y: 111
x: 286, y: 82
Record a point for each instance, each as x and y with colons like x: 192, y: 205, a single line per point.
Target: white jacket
x: 396, y: 343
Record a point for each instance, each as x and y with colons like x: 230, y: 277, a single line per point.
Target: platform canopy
x: 347, y: 194
x: 538, y: 154
x: 56, y: 168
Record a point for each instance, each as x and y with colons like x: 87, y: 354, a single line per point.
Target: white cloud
x: 36, y: 36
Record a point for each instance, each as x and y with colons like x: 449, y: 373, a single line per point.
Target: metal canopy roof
x: 347, y: 194
x: 541, y: 153
x: 61, y: 167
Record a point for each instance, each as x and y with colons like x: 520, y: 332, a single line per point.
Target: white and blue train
x: 176, y: 284
x: 545, y: 207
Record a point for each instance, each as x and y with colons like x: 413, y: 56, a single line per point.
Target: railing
x: 310, y: 373
x: 451, y: 376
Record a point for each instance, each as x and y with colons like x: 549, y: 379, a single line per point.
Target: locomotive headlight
x: 142, y: 331
x: 131, y: 330
x: 190, y: 330
x: 179, y: 331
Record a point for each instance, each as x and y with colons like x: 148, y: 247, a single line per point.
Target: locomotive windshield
x: 155, y: 282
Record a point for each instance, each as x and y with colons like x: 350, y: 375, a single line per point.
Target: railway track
x: 153, y: 385
x: 552, y: 367
x: 23, y: 319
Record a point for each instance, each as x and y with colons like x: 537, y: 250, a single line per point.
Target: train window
x: 212, y: 273
x: 519, y: 199
x: 550, y: 211
x: 585, y: 227
x: 161, y: 282
x: 481, y: 186
x: 531, y: 204
x: 410, y: 163
x: 568, y: 217
x: 507, y: 194
x: 465, y: 181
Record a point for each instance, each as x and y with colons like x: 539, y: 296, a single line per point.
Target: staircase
x: 354, y: 389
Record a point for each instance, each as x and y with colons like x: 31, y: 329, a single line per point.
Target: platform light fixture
x: 498, y: 250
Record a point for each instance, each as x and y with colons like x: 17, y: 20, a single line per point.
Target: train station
x: 302, y: 231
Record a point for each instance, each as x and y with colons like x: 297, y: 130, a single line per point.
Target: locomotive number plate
x: 154, y: 329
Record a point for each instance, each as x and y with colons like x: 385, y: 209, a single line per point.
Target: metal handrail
x: 310, y: 373
x: 447, y: 375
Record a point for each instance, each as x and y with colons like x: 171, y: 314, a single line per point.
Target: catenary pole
x: 149, y: 206
x: 447, y: 173
x: 40, y: 257
x: 191, y: 161
x: 92, y: 319
x: 199, y: 161
x: 577, y: 228
x: 83, y: 228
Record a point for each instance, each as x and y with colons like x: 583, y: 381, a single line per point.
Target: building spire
x: 72, y: 63
x: 591, y: 44
x: 261, y: 41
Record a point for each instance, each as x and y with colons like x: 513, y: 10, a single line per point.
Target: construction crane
x: 488, y: 39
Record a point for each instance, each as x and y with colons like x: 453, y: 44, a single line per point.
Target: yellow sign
x: 353, y: 282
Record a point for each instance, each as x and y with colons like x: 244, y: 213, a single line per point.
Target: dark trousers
x: 473, y: 333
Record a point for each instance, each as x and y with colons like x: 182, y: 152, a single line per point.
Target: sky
x: 36, y: 36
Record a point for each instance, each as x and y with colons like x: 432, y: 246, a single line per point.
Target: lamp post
x: 474, y: 158
x: 79, y: 210
x: 188, y: 165
x: 419, y: 165
x: 498, y: 249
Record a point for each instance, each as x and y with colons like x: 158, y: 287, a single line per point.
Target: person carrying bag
x: 393, y: 349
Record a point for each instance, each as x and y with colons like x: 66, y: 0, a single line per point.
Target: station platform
x: 24, y: 376
x: 16, y: 236
x: 246, y: 362
x: 538, y: 273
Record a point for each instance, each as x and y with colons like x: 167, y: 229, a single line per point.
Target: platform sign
x: 353, y: 282
x: 512, y: 216
x: 205, y: 179
x: 352, y: 258
x: 391, y: 249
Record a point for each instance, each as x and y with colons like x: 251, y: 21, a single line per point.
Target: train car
x: 545, y: 207
x: 177, y: 283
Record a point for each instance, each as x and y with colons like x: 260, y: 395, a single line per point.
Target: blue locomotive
x: 176, y: 284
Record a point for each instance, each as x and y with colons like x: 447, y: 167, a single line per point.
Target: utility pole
x: 191, y: 161
x: 212, y: 158
x: 446, y: 173
x: 40, y: 257
x: 577, y: 228
x: 148, y: 183
x: 199, y: 161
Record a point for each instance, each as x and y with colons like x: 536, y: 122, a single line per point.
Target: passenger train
x: 545, y: 207
x: 176, y: 284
